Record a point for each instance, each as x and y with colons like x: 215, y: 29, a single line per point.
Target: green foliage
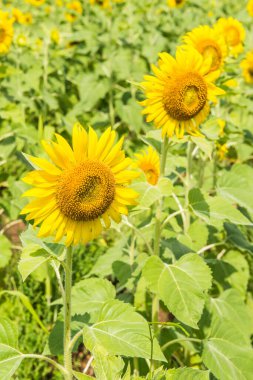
x: 215, y: 210
x: 187, y: 374
x: 5, y: 251
x: 227, y: 351
x: 89, y: 295
x: 237, y: 186
x: 108, y: 367
x: 121, y: 331
x: 10, y: 357
x: 174, y: 282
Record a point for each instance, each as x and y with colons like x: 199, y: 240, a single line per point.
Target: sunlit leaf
x: 180, y: 286
x: 187, y: 374
x: 10, y: 357
x: 121, y: 331
x: 216, y: 209
x: 89, y: 295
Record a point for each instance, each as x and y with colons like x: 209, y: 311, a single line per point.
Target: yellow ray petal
x: 79, y: 142
x: 44, y: 164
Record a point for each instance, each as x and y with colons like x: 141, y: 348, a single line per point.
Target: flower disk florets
x: 86, y: 191
x: 185, y: 96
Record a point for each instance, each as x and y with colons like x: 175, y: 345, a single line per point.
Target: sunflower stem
x: 157, y: 239
x: 67, y: 315
x: 190, y: 148
x: 215, y: 161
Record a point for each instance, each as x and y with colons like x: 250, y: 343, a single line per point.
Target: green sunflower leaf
x: 227, y: 351
x: 215, y: 210
x: 10, y: 357
x: 119, y: 330
x: 187, y: 374
x: 181, y: 286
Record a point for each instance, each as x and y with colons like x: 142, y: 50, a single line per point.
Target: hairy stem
x: 67, y: 315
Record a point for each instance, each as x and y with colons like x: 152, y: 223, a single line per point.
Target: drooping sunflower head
x: 177, y: 97
x: 233, y: 32
x: 247, y: 67
x: 6, y: 32
x: 208, y: 43
x: 148, y: 161
x: 82, y: 189
x: 250, y: 8
x: 175, y: 3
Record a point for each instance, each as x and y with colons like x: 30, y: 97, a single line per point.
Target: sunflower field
x: 126, y: 189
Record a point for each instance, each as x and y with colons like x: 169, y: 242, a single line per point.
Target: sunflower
x: 149, y: 162
x: 76, y: 8
x: 6, y: 32
x: 36, y: 3
x: 175, y: 3
x: 250, y: 7
x: 222, y: 150
x: 233, y: 32
x: 102, y: 3
x: 179, y: 93
x: 20, y: 17
x: 55, y: 36
x: 17, y: 15
x: 247, y: 67
x: 84, y: 187
x: 209, y: 44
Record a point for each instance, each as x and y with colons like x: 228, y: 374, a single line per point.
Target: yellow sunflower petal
x: 77, y: 200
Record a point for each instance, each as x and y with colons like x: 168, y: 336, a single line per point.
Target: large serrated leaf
x: 107, y: 367
x: 227, y: 360
x: 32, y: 257
x: 227, y: 351
x: 187, y: 374
x: 89, y: 295
x: 237, y: 186
x: 230, y: 309
x: 180, y: 286
x: 215, y: 210
x: 10, y: 357
x: 121, y: 331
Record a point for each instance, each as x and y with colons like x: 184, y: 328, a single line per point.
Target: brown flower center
x: 185, y: 96
x: 86, y: 191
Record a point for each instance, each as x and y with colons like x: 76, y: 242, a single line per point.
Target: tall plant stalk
x: 157, y: 236
x: 190, y: 148
x: 67, y: 315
